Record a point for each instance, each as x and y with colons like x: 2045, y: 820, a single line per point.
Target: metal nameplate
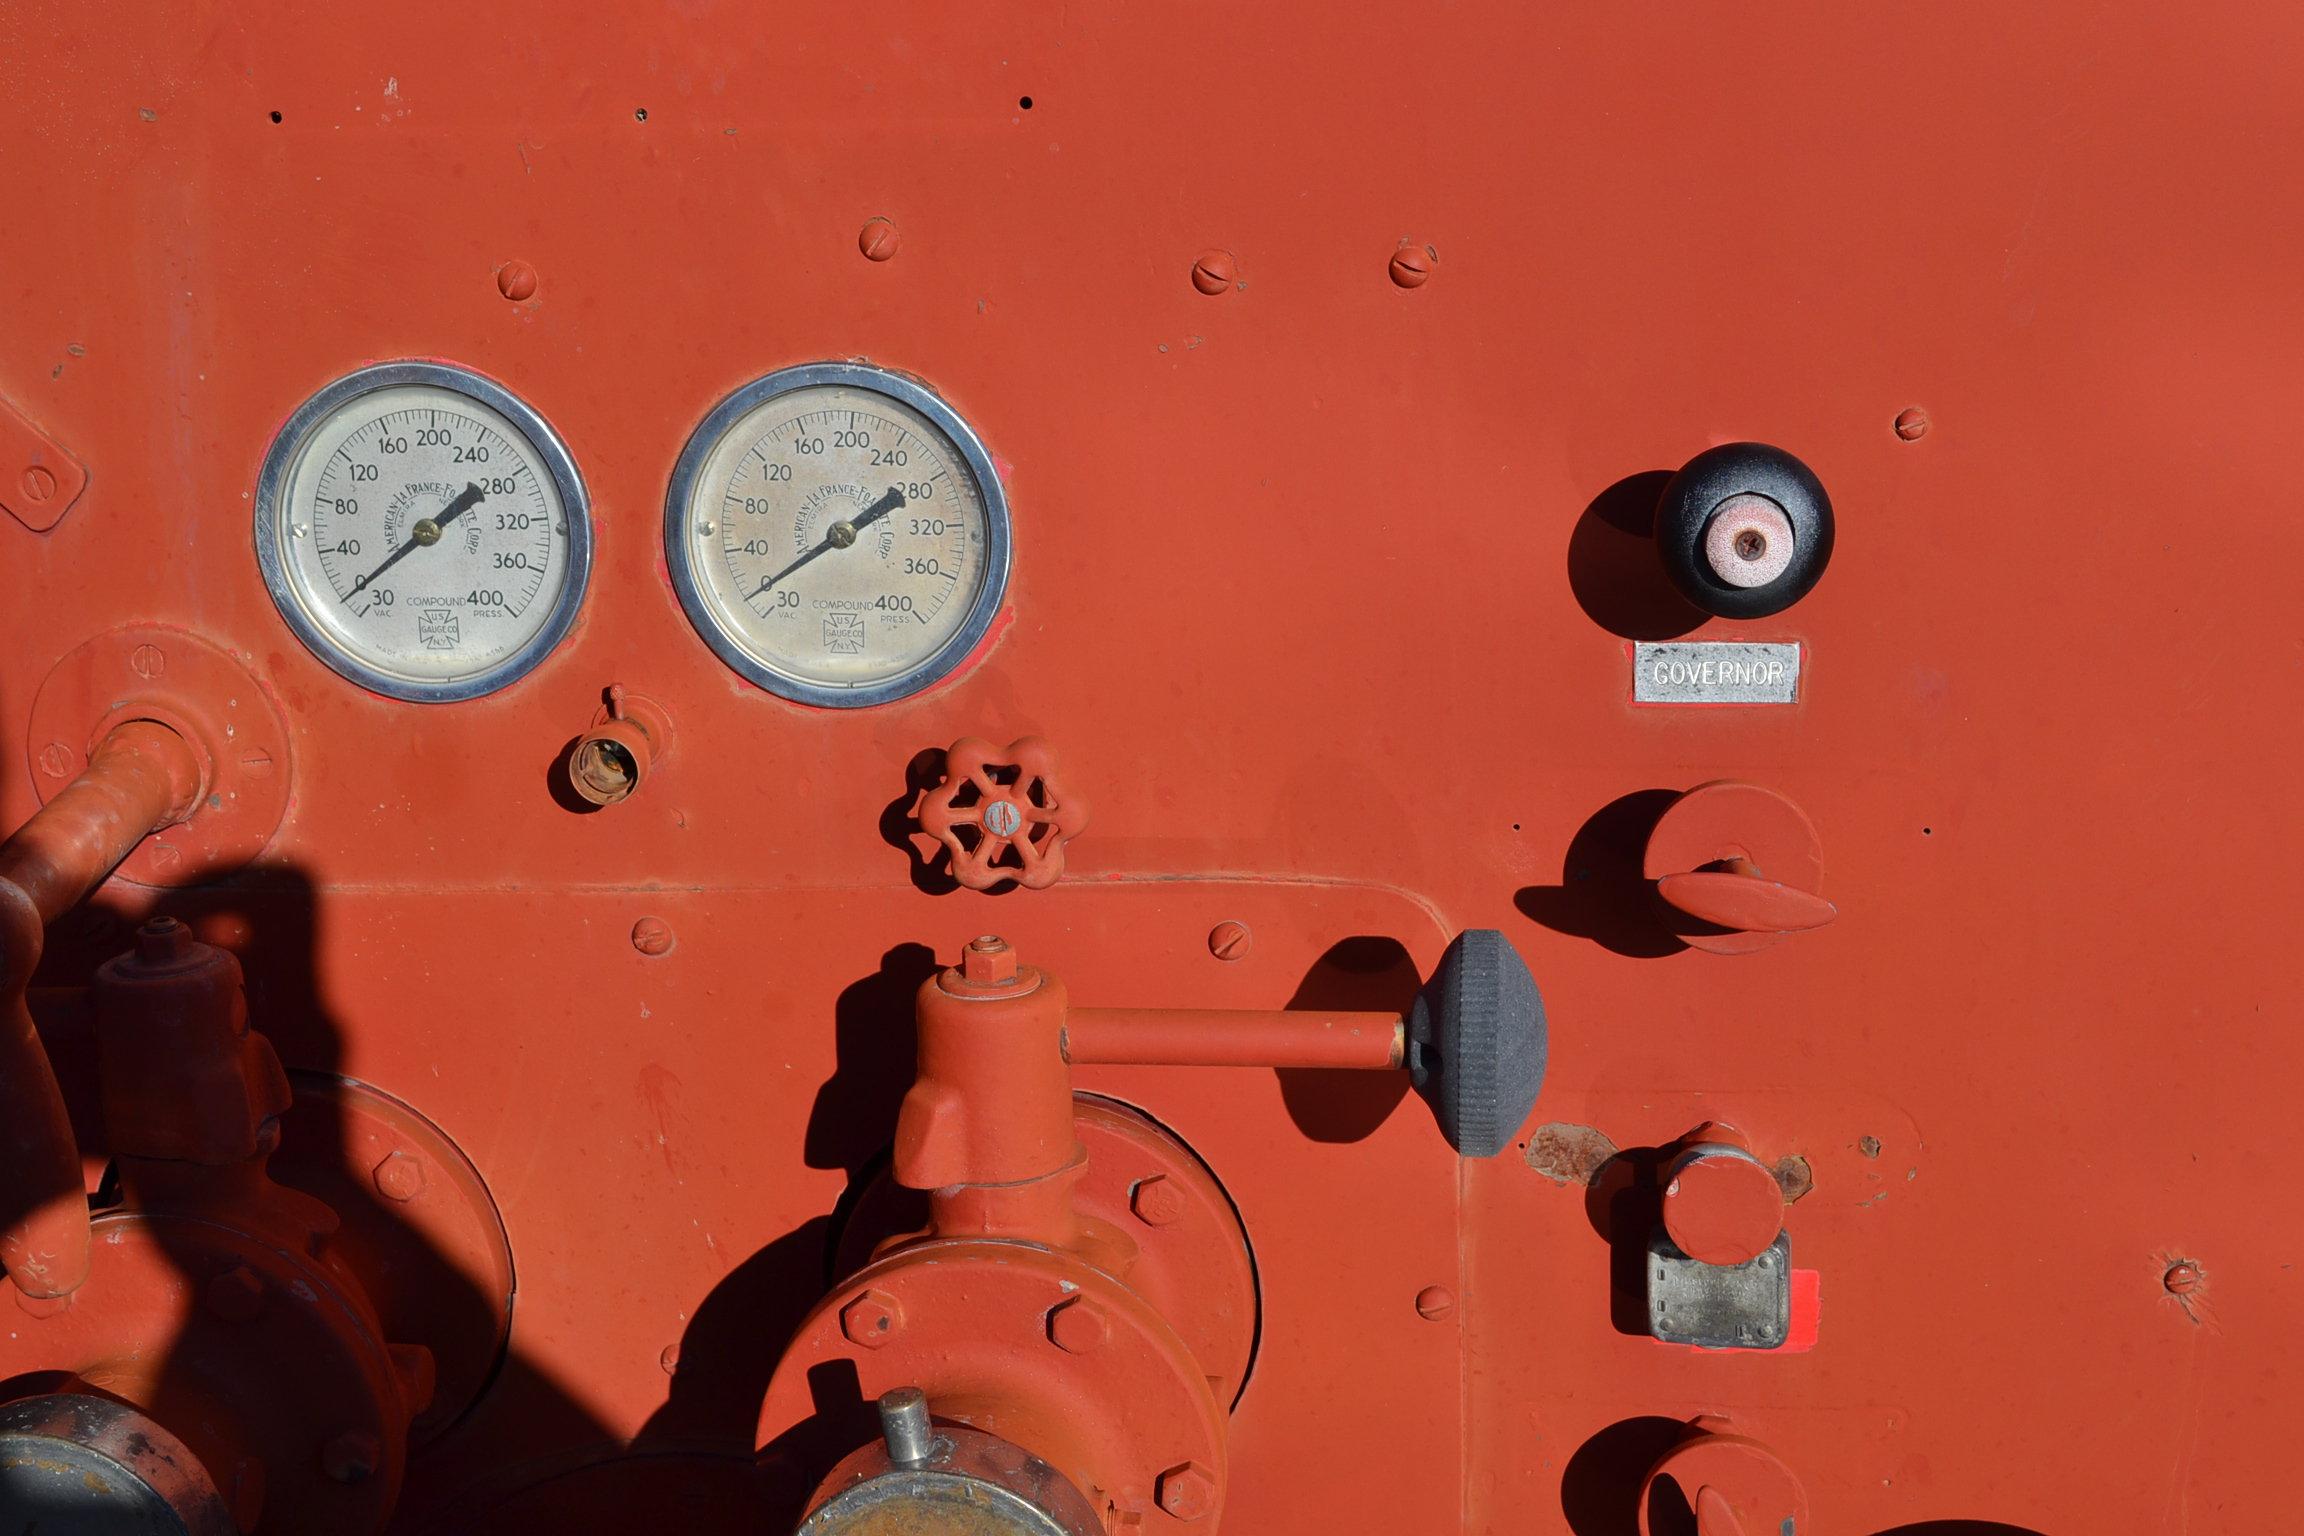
x: 1720, y: 1306
x: 1715, y: 672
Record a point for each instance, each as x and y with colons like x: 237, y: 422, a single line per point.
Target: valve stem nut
x: 988, y: 961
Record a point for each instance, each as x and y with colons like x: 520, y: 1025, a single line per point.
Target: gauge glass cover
x: 838, y: 535
x: 423, y: 531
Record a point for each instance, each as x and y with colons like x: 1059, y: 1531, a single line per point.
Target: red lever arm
x: 1741, y: 898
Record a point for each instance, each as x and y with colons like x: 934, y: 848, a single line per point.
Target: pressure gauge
x: 837, y: 534
x: 423, y: 531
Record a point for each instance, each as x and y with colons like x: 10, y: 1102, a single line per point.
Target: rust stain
x: 1569, y: 1154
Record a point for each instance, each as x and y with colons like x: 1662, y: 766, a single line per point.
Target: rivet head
x: 516, y: 280
x: 56, y: 760
x: 1412, y: 264
x: 1912, y: 424
x: 1215, y: 272
x: 652, y: 936
x: 2183, y: 1278
x: 1435, y: 1302
x: 39, y: 482
x: 877, y: 240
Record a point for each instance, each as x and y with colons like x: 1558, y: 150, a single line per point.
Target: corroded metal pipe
x: 141, y: 777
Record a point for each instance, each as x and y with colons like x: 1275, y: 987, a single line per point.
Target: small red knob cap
x: 1721, y: 1204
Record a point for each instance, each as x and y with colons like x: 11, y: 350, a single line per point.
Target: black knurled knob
x: 1476, y: 1043
x: 1744, y: 530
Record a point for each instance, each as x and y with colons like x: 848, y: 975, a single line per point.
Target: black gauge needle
x: 881, y: 508
x: 840, y: 535
x: 426, y: 531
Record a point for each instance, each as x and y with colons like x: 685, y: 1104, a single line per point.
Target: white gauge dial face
x: 425, y: 538
x: 837, y: 539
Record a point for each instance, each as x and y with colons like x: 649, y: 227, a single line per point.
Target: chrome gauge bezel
x: 547, y: 451
x: 704, y: 615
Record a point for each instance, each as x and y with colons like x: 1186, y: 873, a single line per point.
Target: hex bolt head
x: 871, y: 1320
x: 516, y: 280
x: 877, y: 240
x: 1412, y: 265
x: 1435, y: 1303
x: 399, y: 1177
x: 237, y: 1295
x: 352, y: 1457
x: 1187, y: 1492
x: 2182, y: 1279
x: 1912, y: 424
x: 1157, y: 1200
x: 988, y: 961
x: 1215, y: 272
x: 1230, y: 941
x: 1078, y: 1326
x: 652, y: 936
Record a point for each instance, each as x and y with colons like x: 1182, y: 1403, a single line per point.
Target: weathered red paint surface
x: 1308, y: 595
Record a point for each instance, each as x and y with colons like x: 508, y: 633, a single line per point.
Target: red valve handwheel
x: 1002, y: 814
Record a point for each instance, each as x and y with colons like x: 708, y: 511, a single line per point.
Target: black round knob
x: 1476, y: 1043
x: 1744, y: 530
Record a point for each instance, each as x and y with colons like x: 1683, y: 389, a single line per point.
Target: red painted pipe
x: 1219, y: 1037
x: 141, y: 777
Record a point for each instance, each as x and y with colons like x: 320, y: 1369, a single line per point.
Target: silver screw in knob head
x: 1749, y: 541
x: 904, y: 1423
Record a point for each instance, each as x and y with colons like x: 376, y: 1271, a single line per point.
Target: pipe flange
x: 1032, y: 1344
x: 1143, y: 1187
x: 968, y: 1482
x: 75, y: 1464
x: 206, y: 695
x: 420, y: 1228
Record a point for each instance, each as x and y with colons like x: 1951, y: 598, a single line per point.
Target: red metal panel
x: 1307, y: 592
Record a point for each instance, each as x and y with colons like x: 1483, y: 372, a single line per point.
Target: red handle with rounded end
x: 1739, y: 897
